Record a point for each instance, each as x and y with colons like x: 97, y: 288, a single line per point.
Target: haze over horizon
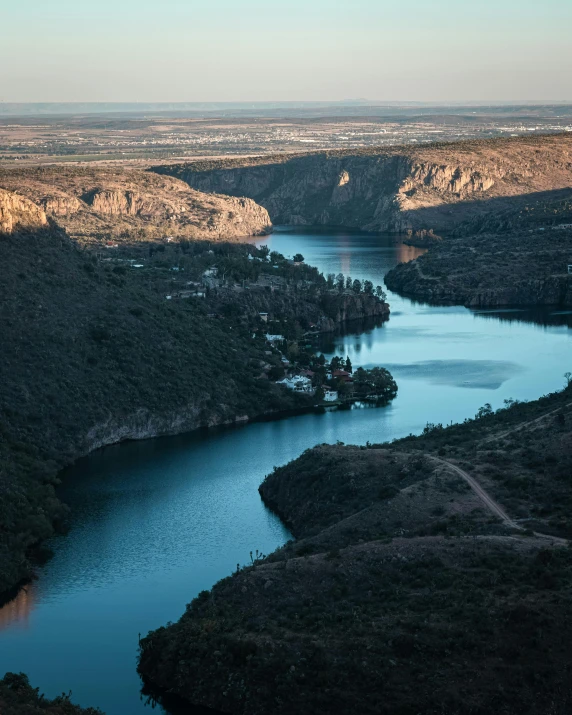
x: 254, y: 51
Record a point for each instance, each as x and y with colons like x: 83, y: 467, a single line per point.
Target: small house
x: 342, y: 375
x: 330, y: 395
x: 298, y: 383
x: 274, y: 338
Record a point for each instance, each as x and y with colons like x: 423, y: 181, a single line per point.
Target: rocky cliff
x: 317, y: 310
x: 18, y: 213
x: 121, y: 204
x: 392, y: 189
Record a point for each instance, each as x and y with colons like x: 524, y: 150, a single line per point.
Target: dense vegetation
x: 403, y: 593
x: 93, y: 353
x: 518, y: 267
x: 18, y: 697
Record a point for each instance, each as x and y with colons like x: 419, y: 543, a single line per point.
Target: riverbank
x: 514, y: 268
x: 18, y: 697
x: 404, y: 580
x: 155, y: 522
x: 133, y: 343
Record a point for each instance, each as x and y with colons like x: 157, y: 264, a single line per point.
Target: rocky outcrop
x: 392, y: 189
x: 121, y: 204
x: 17, y: 213
x: 349, y: 307
x: 60, y: 204
x: 115, y: 202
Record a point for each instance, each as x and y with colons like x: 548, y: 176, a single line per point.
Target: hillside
x: 18, y: 697
x: 117, y: 204
x: 516, y: 267
x: 431, y: 575
x: 435, y: 186
x: 94, y: 353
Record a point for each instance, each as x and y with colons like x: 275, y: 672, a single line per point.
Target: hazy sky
x: 238, y: 50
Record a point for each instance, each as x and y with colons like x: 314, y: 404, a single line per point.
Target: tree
x: 276, y: 372
x: 330, y: 280
x: 298, y: 258
x: 568, y: 378
x: 368, y: 287
x: 348, y: 366
x: 292, y: 350
x: 356, y: 286
x: 380, y: 293
x: 336, y: 363
x: 484, y: 411
x: 264, y: 252
x: 378, y: 381
x: 340, y: 279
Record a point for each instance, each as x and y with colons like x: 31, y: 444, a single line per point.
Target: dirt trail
x: 490, y: 503
x: 524, y: 425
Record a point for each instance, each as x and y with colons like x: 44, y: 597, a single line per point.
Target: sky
x: 277, y: 50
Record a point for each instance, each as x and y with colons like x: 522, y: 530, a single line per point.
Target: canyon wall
x: 17, y: 213
x: 393, y: 189
x: 122, y: 204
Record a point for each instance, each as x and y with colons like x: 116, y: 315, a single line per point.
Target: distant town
x: 153, y: 137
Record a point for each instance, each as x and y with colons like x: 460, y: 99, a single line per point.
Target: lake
x: 155, y: 522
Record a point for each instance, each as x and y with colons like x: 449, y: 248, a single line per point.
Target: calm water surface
x: 156, y: 522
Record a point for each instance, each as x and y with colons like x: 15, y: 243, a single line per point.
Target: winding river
x: 156, y: 522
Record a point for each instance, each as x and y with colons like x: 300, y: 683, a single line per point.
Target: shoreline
x: 101, y: 443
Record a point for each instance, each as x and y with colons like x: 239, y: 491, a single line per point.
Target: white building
x: 298, y: 383
x: 330, y: 395
x: 274, y: 338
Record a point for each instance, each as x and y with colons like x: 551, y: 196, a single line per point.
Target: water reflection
x: 18, y: 610
x: 542, y: 316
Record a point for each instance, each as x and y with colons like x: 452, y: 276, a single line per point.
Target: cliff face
x: 121, y: 204
x: 17, y: 213
x: 394, y: 189
x: 348, y: 307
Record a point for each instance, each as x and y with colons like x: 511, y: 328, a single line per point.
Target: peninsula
x: 128, y: 336
x: 432, y: 574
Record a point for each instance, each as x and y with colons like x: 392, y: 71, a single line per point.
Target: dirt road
x: 490, y: 503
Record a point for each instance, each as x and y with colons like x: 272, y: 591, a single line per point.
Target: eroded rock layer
x: 121, y: 204
x: 395, y: 188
